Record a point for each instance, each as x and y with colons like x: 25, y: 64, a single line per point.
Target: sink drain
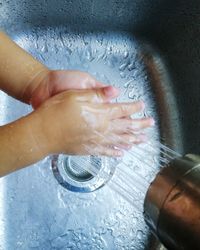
x: 83, y: 173
x: 73, y: 167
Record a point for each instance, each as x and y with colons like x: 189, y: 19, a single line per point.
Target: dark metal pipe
x: 172, y: 204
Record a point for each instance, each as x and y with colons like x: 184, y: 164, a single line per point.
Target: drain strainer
x: 83, y: 173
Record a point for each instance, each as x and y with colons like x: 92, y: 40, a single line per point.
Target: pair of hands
x: 77, y: 116
x: 73, y: 113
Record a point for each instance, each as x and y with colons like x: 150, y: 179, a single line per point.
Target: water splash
x: 132, y: 186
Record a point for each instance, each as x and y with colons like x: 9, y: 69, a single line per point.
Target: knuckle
x: 123, y: 109
x: 98, y: 94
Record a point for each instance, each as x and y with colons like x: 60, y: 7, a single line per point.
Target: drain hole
x: 70, y: 172
x: 75, y: 167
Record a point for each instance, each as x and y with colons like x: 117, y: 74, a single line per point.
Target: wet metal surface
x: 174, y: 216
x: 75, y: 173
x: 128, y: 44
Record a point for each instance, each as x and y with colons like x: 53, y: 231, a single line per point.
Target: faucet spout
x: 172, y: 204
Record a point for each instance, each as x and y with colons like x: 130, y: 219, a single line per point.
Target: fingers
x: 138, y: 124
x: 111, y: 92
x: 126, y: 125
x: 98, y: 149
x: 115, y: 145
x: 100, y: 95
x: 128, y: 132
x: 130, y: 139
x: 119, y: 110
x: 108, y: 151
x: 98, y: 85
x: 125, y: 141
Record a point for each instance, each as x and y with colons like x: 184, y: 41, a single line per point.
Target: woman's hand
x: 72, y: 122
x: 30, y: 80
x: 84, y: 122
x: 50, y: 83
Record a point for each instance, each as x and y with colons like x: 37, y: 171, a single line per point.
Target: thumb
x: 110, y: 92
x: 105, y: 94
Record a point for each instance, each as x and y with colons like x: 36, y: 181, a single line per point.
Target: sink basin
x: 150, y: 50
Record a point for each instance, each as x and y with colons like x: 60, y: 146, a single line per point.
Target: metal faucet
x: 172, y: 204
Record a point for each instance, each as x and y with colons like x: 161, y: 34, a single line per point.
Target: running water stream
x: 129, y: 183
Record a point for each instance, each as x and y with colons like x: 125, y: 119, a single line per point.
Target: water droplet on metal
x: 122, y: 74
x: 126, y: 54
x: 123, y: 67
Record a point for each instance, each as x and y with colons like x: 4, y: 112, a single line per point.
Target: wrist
x: 47, y: 131
x: 35, y: 124
x: 37, y: 79
x: 22, y: 144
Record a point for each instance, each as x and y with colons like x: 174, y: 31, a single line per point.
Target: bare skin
x: 73, y: 113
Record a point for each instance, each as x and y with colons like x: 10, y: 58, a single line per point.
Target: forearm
x: 18, y: 69
x: 21, y: 144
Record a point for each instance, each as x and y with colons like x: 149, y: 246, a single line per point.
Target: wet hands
x: 87, y: 123
x: 84, y: 122
x: 51, y: 82
x: 72, y: 122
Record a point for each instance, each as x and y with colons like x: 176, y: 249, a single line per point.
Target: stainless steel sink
x: 149, y: 49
